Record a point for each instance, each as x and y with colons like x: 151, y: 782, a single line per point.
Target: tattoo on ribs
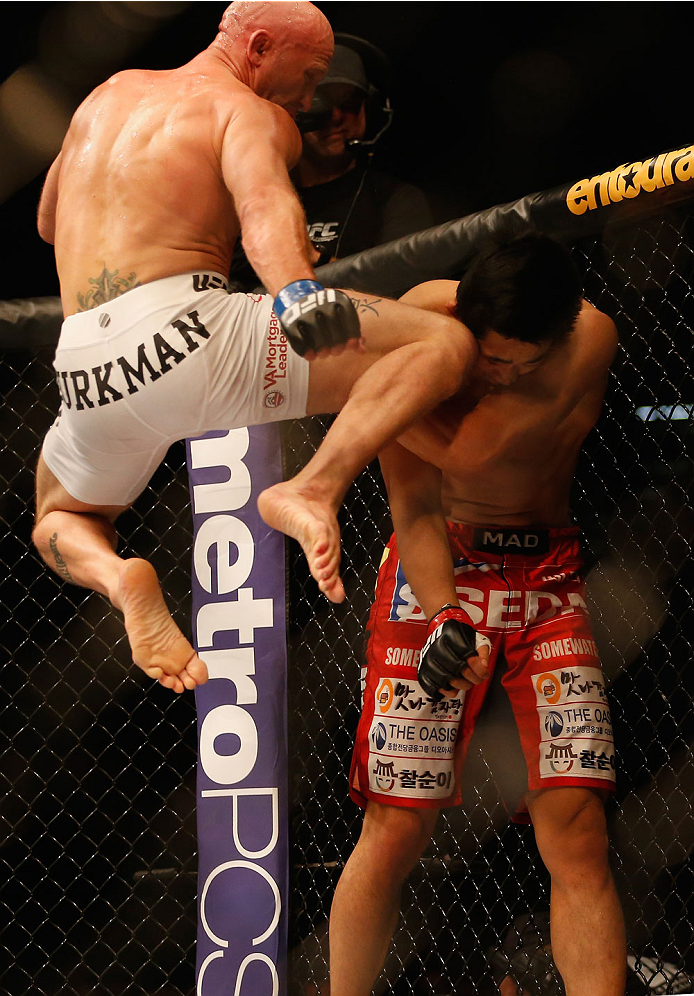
x: 362, y: 304
x: 107, y: 286
x: 60, y: 565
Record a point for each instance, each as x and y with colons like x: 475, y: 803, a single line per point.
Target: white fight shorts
x: 174, y: 358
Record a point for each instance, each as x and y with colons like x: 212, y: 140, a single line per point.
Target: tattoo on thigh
x: 362, y: 304
x: 107, y: 286
x: 60, y: 565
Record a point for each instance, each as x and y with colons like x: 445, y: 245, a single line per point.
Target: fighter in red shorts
x: 486, y: 548
x: 521, y: 589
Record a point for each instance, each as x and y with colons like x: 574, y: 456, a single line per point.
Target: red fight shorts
x: 523, y: 589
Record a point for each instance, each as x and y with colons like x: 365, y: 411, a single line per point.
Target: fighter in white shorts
x: 174, y: 358
x: 158, y: 176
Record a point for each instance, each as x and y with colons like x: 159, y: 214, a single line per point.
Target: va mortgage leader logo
x: 239, y: 631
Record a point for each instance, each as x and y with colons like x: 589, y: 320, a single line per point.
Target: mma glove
x: 315, y: 318
x: 450, y: 641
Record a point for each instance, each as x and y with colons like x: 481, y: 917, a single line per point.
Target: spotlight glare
x: 34, y: 112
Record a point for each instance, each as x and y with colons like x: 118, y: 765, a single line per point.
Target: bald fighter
x: 484, y: 546
x: 158, y: 174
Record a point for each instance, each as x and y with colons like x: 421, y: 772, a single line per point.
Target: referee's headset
x: 378, y: 108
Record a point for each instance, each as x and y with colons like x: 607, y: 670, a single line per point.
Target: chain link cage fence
x: 98, y: 764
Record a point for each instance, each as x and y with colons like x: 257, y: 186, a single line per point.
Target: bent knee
x: 53, y: 498
x: 455, y: 348
x: 399, y: 832
x: 40, y: 536
x: 571, y: 831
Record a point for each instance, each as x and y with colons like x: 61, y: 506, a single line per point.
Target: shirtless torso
x: 508, y: 452
x: 502, y: 451
x: 142, y: 187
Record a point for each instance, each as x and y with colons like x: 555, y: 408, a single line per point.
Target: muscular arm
x: 414, y: 492
x: 45, y: 221
x: 448, y: 661
x: 414, y: 484
x: 259, y: 144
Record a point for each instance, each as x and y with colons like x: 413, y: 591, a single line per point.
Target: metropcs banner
x: 239, y: 631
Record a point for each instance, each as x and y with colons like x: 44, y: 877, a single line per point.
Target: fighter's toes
x: 173, y: 682
x: 155, y: 673
x: 333, y: 589
x: 323, y: 555
x: 314, y: 525
x: 187, y: 682
x: 195, y: 671
x: 321, y: 563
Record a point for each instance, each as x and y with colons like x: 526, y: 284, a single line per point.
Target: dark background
x: 492, y: 100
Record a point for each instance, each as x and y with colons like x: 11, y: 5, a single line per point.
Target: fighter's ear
x: 259, y: 44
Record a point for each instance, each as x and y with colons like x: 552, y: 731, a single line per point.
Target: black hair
x: 527, y: 288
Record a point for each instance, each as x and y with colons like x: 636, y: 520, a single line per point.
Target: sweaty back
x: 145, y: 148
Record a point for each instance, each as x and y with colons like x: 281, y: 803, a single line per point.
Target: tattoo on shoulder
x: 107, y: 286
x: 362, y: 304
x: 60, y: 565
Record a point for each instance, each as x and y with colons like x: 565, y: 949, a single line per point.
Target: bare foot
x: 314, y: 525
x: 158, y: 646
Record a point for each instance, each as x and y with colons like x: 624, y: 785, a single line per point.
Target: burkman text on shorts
x: 110, y: 381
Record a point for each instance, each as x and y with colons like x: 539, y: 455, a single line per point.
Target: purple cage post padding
x: 239, y: 629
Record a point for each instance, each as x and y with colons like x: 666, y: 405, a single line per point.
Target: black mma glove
x: 450, y: 641
x: 314, y: 317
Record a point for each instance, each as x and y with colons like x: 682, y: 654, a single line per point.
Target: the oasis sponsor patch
x: 424, y: 738
x: 412, y: 741
x: 575, y: 723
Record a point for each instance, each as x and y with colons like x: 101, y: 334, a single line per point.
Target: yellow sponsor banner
x: 631, y: 179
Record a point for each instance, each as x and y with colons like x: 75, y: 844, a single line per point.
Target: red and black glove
x: 451, y: 640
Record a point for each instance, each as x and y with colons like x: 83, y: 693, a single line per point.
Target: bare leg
x: 78, y: 542
x: 366, y: 904
x: 588, y: 941
x: 413, y: 360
